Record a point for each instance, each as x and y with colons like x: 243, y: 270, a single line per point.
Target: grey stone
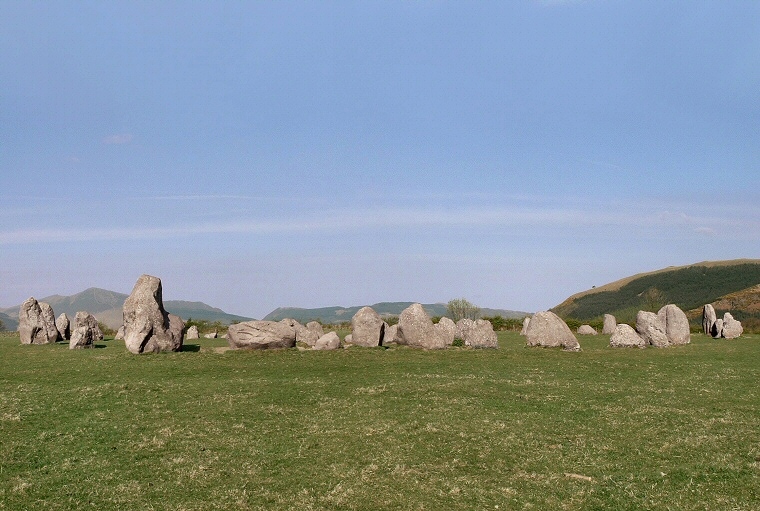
x: 717, y: 328
x: 147, y: 325
x: 348, y: 340
x: 526, y: 322
x: 261, y: 335
x: 416, y: 329
x: 608, y: 327
x: 731, y: 327
x: 32, y: 327
x: 48, y: 318
x: 676, y: 324
x: 316, y: 326
x: 651, y: 329
x: 447, y: 329
x: 120, y: 334
x: 212, y: 335
x: 192, y: 333
x: 85, y: 319
x: 708, y: 318
x: 306, y: 335
x: 82, y: 338
x: 477, y: 334
x: 63, y: 325
x: 329, y: 341
x: 390, y: 336
x: 587, y: 330
x: 367, y: 328
x: 624, y: 336
x: 549, y: 330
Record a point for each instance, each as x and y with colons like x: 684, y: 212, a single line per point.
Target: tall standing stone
x: 48, y: 318
x: 608, y: 328
x: 708, y: 318
x: 676, y: 324
x: 367, y: 328
x: 549, y: 330
x: 32, y: 327
x: 147, y: 325
x: 416, y: 329
x: 63, y: 325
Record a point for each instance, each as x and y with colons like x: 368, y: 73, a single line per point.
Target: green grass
x: 517, y: 428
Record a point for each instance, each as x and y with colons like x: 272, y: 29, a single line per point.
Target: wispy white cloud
x: 118, y: 139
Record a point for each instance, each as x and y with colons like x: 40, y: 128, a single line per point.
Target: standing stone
x: 119, y: 334
x: 306, y: 335
x: 82, y: 338
x: 416, y: 329
x: 608, y: 328
x: 390, y: 336
x: 624, y: 336
x: 477, y: 334
x: 147, y: 326
x: 549, y: 330
x: 63, y: 325
x: 526, y: 322
x: 316, y: 326
x: 717, y: 328
x: 651, y: 329
x: 48, y: 317
x: 447, y: 329
x: 32, y: 327
x: 367, y: 328
x: 212, y: 335
x: 84, y: 318
x: 708, y: 318
x: 731, y: 327
x: 586, y: 330
x: 676, y: 324
x: 261, y: 335
x: 192, y: 333
x: 329, y: 341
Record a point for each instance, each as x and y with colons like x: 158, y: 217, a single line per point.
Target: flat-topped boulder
x: 477, y: 334
x: 329, y: 341
x: 587, y: 330
x: 548, y: 330
x: 608, y: 327
x: 416, y: 329
x: 148, y: 328
x: 624, y: 336
x: 261, y: 335
x: 34, y: 323
x: 367, y: 328
x: 63, y: 325
x: 708, y: 319
x: 731, y: 327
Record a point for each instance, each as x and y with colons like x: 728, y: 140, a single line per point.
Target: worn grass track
x: 517, y: 428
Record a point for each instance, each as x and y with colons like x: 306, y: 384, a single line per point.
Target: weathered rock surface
x: 33, y: 324
x: 391, y: 335
x: 349, y: 339
x: 305, y: 334
x: 120, y: 334
x: 651, y: 329
x: 192, y: 333
x: 608, y: 327
x: 260, y: 335
x: 549, y: 330
x: 676, y: 324
x: 624, y: 336
x: 367, y: 328
x: 731, y: 327
x: 416, y: 329
x: 587, y: 330
x: 147, y: 326
x: 447, y: 329
x: 477, y: 334
x: 526, y: 322
x: 708, y: 318
x: 212, y: 335
x: 717, y: 328
x: 82, y: 338
x: 316, y: 326
x: 329, y: 341
x: 48, y: 317
x: 63, y: 325
x: 85, y: 319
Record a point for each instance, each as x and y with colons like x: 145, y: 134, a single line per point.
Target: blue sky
x: 263, y: 154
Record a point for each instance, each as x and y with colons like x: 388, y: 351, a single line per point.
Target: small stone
x: 329, y: 341
x: 192, y: 333
x: 586, y: 330
x: 625, y: 336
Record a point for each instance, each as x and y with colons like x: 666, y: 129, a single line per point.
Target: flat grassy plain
x: 369, y: 429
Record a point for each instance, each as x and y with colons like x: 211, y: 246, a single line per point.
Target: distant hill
x: 107, y: 307
x: 728, y: 285
x: 9, y: 322
x: 334, y: 315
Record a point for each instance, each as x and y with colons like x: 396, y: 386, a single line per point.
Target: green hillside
x: 335, y: 315
x: 689, y: 287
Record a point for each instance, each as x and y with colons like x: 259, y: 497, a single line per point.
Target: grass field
x: 517, y: 428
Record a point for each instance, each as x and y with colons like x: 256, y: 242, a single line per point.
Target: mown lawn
x: 516, y: 428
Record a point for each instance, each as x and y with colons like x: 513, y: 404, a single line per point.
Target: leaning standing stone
x: 147, y: 326
x: 625, y: 336
x: 549, y: 330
